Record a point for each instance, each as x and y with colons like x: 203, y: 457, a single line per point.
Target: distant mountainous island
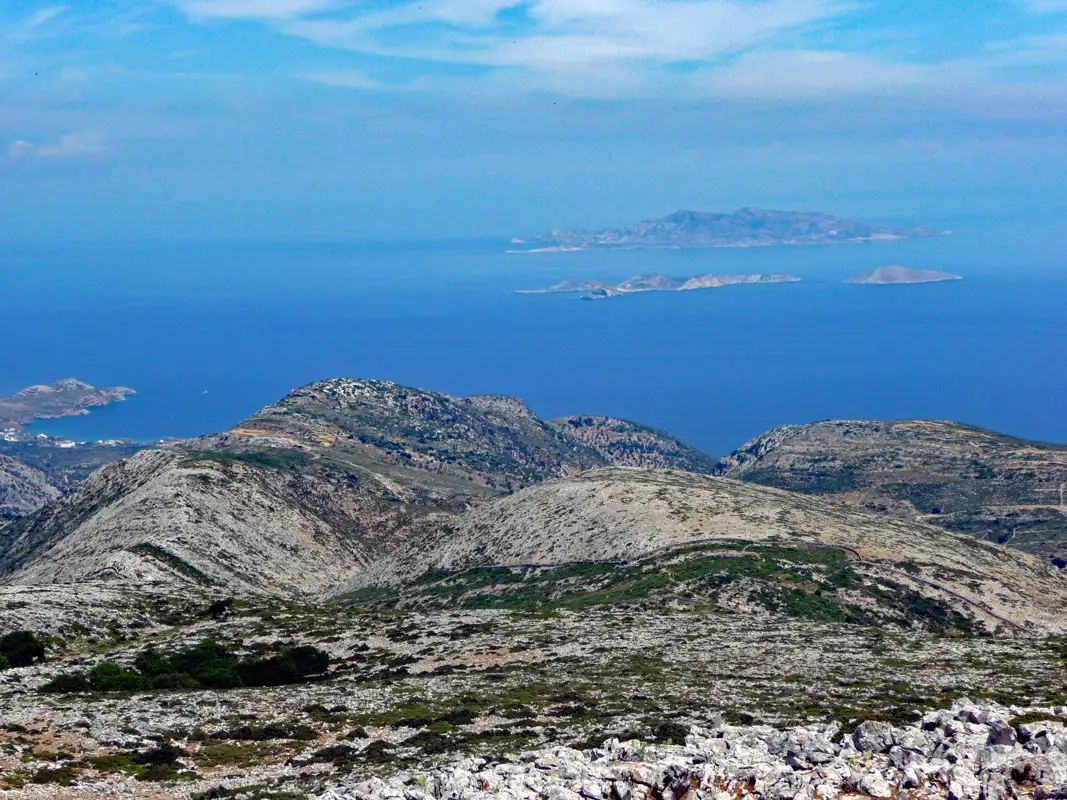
x: 892, y: 275
x: 65, y: 398
x: 598, y: 290
x: 746, y: 227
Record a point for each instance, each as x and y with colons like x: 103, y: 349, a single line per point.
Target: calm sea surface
x: 209, y: 334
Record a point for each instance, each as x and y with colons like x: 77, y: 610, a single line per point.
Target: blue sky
x: 258, y: 119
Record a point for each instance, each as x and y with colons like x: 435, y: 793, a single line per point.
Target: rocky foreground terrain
x: 966, y: 752
x: 372, y: 591
x: 957, y: 477
x: 740, y: 702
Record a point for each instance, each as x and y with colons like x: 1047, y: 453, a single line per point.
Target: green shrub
x: 67, y: 682
x: 151, y: 663
x: 175, y: 680
x: 273, y: 671
x: 206, y: 665
x: 22, y: 648
x: 111, y: 677
x: 206, y: 656
x: 308, y: 660
x: 669, y: 732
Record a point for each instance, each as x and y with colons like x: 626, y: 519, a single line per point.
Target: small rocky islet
x: 894, y: 275
x: 599, y: 290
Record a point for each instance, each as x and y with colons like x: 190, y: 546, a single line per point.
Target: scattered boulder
x: 873, y: 737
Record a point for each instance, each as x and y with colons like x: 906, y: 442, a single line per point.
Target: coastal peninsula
x: 64, y: 398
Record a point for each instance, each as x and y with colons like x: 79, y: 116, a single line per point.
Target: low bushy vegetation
x: 799, y: 582
x: 207, y: 665
x: 20, y: 649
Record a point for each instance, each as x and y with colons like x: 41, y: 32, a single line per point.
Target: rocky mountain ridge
x: 347, y: 485
x: 304, y: 494
x: 293, y: 526
x: 957, y: 477
x: 629, y: 444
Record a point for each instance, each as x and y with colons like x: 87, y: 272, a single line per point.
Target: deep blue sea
x: 208, y: 334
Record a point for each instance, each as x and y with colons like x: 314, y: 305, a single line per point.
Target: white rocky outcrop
x: 968, y: 752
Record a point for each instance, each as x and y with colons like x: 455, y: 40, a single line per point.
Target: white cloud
x: 1047, y: 6
x: 346, y: 78
x: 565, y: 34
x: 253, y: 9
x: 1027, y: 50
x: 81, y: 144
x: 810, y: 73
x: 41, y: 16
x: 735, y: 49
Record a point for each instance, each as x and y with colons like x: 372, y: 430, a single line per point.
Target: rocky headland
x: 64, y: 398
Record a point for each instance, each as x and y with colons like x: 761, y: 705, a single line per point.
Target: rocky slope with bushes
x: 303, y: 495
x: 632, y: 536
x: 23, y: 489
x: 622, y: 443
x: 958, y: 477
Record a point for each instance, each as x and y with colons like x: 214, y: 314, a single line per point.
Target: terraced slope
x: 958, y: 477
x: 679, y: 535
